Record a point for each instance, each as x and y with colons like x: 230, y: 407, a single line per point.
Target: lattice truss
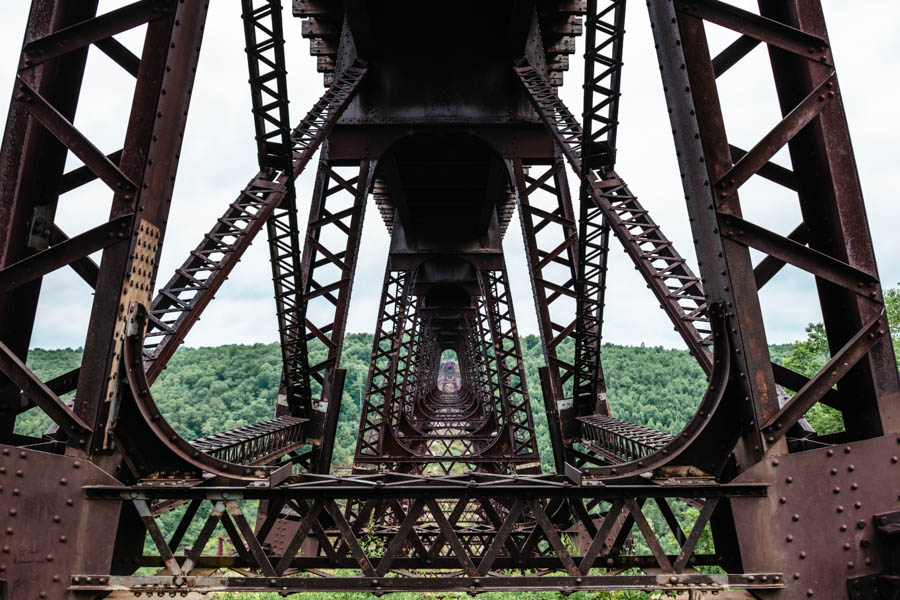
x: 446, y: 491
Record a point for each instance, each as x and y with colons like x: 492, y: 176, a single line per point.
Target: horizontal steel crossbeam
x: 625, y: 441
x: 254, y: 444
x: 465, y: 531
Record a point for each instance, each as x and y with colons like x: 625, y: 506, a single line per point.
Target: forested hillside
x: 204, y: 390
x: 212, y: 389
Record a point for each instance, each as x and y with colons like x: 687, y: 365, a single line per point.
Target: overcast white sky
x: 219, y: 157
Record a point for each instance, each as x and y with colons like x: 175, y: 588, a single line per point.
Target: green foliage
x: 46, y: 364
x: 810, y: 355
x: 807, y: 357
x: 204, y: 390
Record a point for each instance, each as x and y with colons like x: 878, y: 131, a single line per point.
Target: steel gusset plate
x: 819, y: 522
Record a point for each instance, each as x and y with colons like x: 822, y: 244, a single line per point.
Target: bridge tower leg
x: 833, y: 244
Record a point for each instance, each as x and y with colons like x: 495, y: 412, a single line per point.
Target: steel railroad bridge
x: 447, y: 116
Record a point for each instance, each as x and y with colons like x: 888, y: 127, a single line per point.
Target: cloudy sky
x: 219, y: 157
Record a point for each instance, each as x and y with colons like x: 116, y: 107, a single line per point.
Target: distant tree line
x: 211, y: 389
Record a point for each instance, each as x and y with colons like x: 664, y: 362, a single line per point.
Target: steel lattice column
x: 336, y: 212
x: 814, y: 130
x: 33, y: 161
x: 376, y: 417
x: 510, y: 370
x: 181, y: 301
x: 604, y: 38
x: 141, y: 175
x: 551, y: 245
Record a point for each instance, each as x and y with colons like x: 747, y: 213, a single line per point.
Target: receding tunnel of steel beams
x: 448, y: 379
x: 434, y: 398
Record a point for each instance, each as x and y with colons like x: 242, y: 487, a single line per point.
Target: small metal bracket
x: 41, y: 232
x: 884, y: 585
x: 873, y: 587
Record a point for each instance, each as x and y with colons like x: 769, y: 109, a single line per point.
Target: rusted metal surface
x: 181, y: 301
x: 441, y: 525
x: 49, y: 527
x: 446, y: 493
x: 822, y: 509
x: 150, y: 152
x: 31, y: 166
x: 254, y: 444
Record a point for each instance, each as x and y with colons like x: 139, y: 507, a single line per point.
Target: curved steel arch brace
x: 149, y: 442
x: 709, y: 437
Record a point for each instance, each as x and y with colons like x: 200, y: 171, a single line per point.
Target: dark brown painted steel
x: 31, y: 164
x: 150, y: 159
x: 806, y: 506
x: 192, y: 287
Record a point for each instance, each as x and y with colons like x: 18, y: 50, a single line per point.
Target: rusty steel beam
x: 90, y: 31
x: 33, y: 161
x: 259, y: 443
x: 551, y: 246
x: 328, y: 266
x: 376, y: 419
x: 604, y: 40
x: 809, y: 103
x: 41, y: 395
x: 434, y: 513
x: 149, y: 159
x: 65, y: 253
x: 513, y: 387
x: 624, y: 441
x: 181, y: 301
x: 667, y: 274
